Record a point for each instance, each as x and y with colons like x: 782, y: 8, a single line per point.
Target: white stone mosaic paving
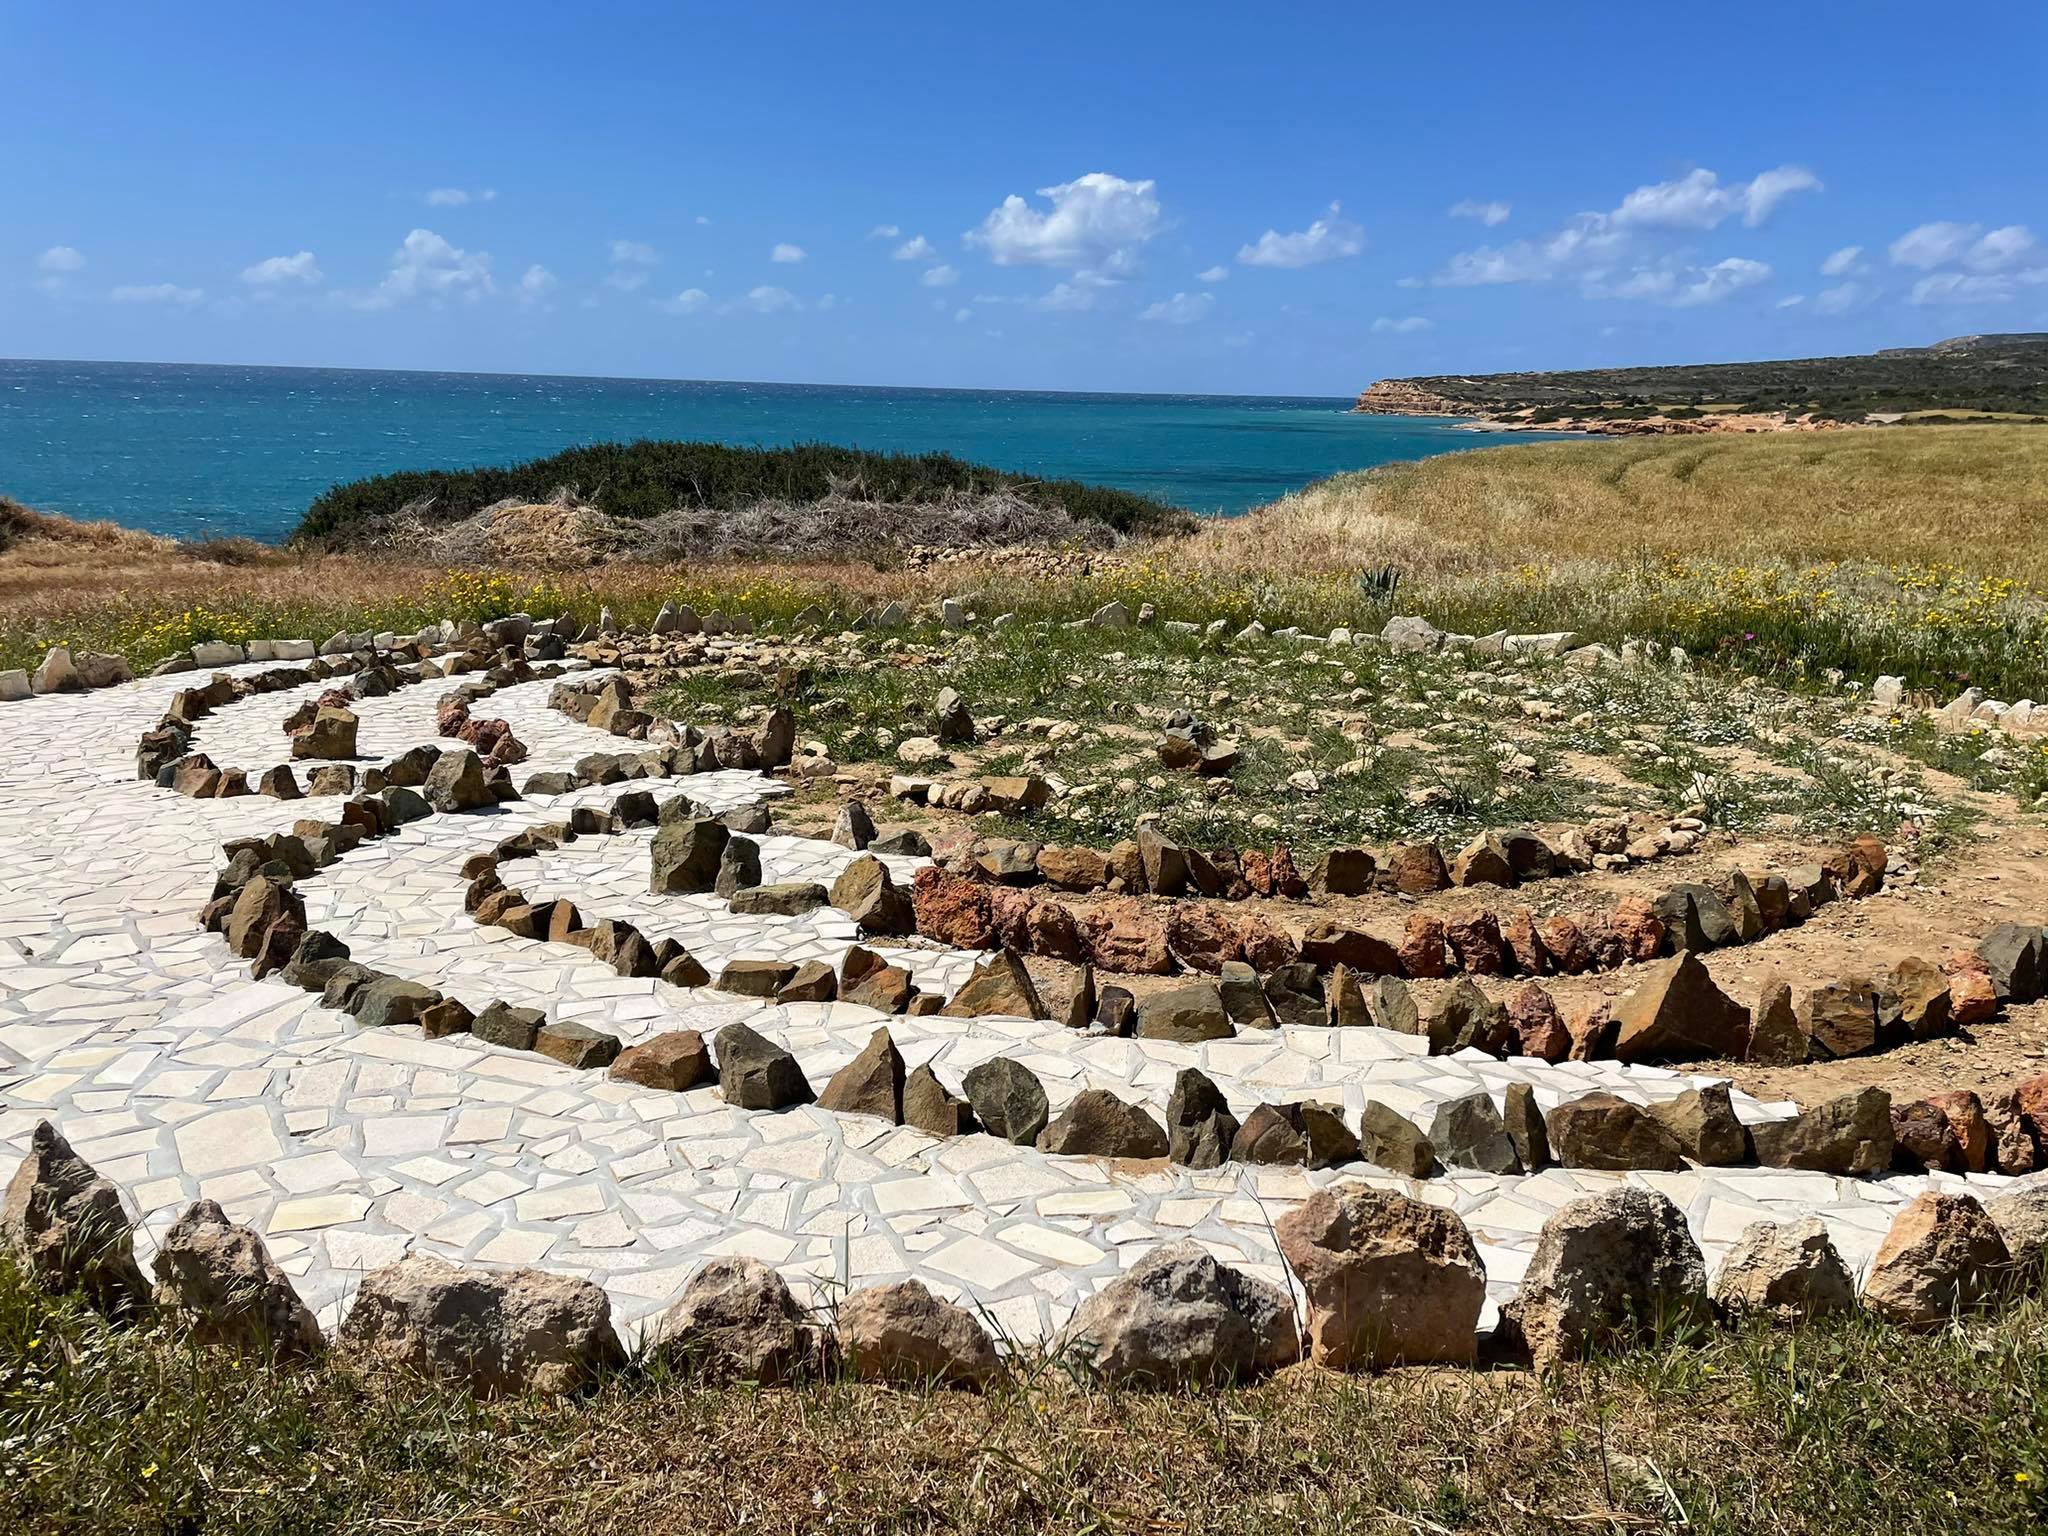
x: 178, y: 1076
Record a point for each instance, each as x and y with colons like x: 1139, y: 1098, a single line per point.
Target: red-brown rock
x: 1476, y: 940
x: 1201, y: 938
x: 1122, y: 936
x: 952, y: 910
x: 1539, y: 1030
x: 1422, y: 946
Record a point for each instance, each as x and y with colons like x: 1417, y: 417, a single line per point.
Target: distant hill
x: 1966, y: 376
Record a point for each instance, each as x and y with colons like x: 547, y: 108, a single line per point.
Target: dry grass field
x: 1969, y: 497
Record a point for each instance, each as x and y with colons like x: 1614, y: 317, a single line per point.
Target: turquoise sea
x: 192, y: 450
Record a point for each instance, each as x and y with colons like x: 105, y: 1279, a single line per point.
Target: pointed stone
x: 870, y: 1084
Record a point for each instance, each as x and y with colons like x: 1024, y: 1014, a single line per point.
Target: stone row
x: 324, y: 730
x: 1859, y: 1133
x: 1386, y: 1280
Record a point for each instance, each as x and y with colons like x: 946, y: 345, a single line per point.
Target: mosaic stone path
x: 178, y: 1076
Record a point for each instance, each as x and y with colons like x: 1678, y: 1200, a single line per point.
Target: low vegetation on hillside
x: 1973, y: 375
x: 647, y: 479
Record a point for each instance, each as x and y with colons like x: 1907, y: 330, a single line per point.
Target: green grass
x: 648, y: 477
x: 1844, y: 1428
x: 1401, y: 747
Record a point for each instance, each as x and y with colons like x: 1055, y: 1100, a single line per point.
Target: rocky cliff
x: 1403, y: 397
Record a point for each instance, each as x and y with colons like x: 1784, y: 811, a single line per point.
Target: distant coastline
x: 196, y: 451
x: 1992, y: 378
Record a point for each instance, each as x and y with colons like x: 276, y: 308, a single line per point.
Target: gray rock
x: 1007, y: 1099
x: 1200, y: 1126
x: 1605, y: 1131
x: 1096, y: 1123
x: 1244, y: 1000
x: 65, y: 1227
x: 2016, y: 959
x: 1190, y: 1012
x: 1788, y: 1272
x: 854, y: 828
x: 1179, y: 1317
x: 739, y: 867
x: 514, y: 1028
x: 1393, y: 1141
x: 1525, y: 1127
x: 2021, y: 1216
x: 756, y: 1073
x: 737, y: 1321
x: 458, y: 782
x: 1468, y: 1132
x: 1849, y: 1134
x: 499, y: 1331
x: 223, y: 1282
x: 685, y: 856
x: 1607, y: 1268
x: 787, y: 899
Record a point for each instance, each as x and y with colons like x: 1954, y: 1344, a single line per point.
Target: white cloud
x: 276, y: 271
x: 962, y: 314
x: 456, y: 197
x: 770, y: 300
x: 703, y: 218
x: 1181, y: 309
x: 157, y: 293
x: 427, y: 266
x: 917, y: 248
x: 1840, y: 299
x: 536, y: 283
x: 884, y: 232
x: 1096, y: 221
x: 2000, y: 249
x: 786, y: 254
x: 1993, y: 258
x: 1678, y: 285
x: 1328, y: 239
x: 626, y: 279
x: 1487, y: 213
x: 1976, y: 287
x: 828, y: 301
x: 1406, y: 325
x: 1843, y: 262
x: 1700, y: 200
x: 633, y: 253
x: 1588, y: 244
x: 1067, y: 298
x: 1715, y: 283
x: 1216, y: 274
x: 59, y: 259
x: 1792, y: 301
x: 688, y: 302
x: 1933, y: 245
x: 941, y: 276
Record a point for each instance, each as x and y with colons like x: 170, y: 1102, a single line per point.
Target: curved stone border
x: 259, y: 913
x: 1385, y: 1280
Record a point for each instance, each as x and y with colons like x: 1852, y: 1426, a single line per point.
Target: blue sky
x: 1287, y: 199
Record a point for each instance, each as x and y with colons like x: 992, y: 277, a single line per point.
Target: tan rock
x: 1943, y: 1255
x: 1390, y: 1280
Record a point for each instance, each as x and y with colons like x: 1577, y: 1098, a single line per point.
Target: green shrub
x: 646, y: 478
